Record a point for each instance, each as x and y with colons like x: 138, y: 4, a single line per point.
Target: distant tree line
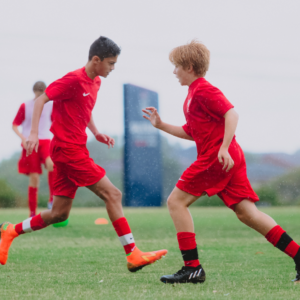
x: 283, y: 190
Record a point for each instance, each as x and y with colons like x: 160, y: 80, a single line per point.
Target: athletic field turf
x: 86, y: 261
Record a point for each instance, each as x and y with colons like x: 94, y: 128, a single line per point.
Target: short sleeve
x: 187, y: 129
x: 20, y: 117
x: 63, y: 88
x: 214, y: 103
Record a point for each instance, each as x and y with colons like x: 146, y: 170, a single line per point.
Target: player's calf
x: 59, y: 211
x: 247, y: 212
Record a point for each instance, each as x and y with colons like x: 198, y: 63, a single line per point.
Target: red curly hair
x: 193, y: 54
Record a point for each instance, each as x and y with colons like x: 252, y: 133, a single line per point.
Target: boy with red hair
x: 220, y: 167
x: 74, y: 97
x: 31, y: 165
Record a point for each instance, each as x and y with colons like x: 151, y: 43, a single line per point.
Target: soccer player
x: 74, y: 97
x: 31, y: 165
x: 220, y: 167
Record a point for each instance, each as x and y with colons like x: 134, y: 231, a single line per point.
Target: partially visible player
x: 220, y: 167
x: 74, y: 97
x: 31, y: 165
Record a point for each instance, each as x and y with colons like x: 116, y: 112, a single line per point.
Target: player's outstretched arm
x: 231, y: 121
x: 156, y: 121
x: 100, y: 137
x: 33, y: 139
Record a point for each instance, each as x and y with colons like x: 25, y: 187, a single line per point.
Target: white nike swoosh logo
x: 181, y: 179
x: 84, y: 94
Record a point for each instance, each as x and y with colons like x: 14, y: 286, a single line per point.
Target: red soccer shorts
x: 73, y: 168
x: 33, y: 162
x: 232, y: 187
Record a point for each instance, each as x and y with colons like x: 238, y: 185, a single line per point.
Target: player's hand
x: 24, y: 143
x: 105, y: 139
x: 32, y: 143
x: 225, y: 159
x: 153, y: 116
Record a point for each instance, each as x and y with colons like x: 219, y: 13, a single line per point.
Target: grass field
x: 86, y: 261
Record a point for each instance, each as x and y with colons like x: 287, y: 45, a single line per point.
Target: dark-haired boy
x: 220, y: 167
x: 74, y: 97
x: 31, y: 165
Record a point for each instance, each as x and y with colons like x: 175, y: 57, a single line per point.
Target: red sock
x: 281, y: 240
x: 50, y: 183
x: 32, y: 200
x: 188, y: 248
x: 30, y: 224
x: 125, y: 236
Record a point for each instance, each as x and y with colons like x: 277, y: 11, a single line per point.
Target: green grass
x: 71, y: 262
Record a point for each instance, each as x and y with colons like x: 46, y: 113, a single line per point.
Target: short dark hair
x: 39, y: 86
x: 104, y: 47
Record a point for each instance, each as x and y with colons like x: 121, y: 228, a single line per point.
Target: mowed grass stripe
x: 71, y: 262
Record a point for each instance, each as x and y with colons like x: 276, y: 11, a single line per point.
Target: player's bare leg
x: 248, y: 213
x: 136, y: 259
x: 178, y: 203
x: 49, y: 166
x: 60, y: 210
x: 34, y: 182
x: 111, y: 196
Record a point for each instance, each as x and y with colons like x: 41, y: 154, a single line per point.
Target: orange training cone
x: 101, y: 221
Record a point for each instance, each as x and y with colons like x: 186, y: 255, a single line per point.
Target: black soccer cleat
x: 186, y: 274
x: 297, y: 279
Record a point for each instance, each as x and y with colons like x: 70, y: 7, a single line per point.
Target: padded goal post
x: 142, y: 151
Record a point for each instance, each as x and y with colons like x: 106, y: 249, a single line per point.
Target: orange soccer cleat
x: 138, y: 259
x: 7, y: 235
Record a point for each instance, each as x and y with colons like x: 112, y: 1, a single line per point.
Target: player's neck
x: 192, y: 78
x: 89, y: 69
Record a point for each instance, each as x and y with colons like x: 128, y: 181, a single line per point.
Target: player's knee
x: 172, y: 203
x: 34, y: 180
x: 242, y: 216
x: 116, y: 196
x: 58, y: 217
x: 50, y: 167
x: 112, y: 196
x: 49, y: 164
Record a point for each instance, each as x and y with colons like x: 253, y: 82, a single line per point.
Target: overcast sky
x: 255, y: 59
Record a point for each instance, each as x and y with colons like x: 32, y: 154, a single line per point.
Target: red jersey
x: 204, y: 109
x: 74, y: 97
